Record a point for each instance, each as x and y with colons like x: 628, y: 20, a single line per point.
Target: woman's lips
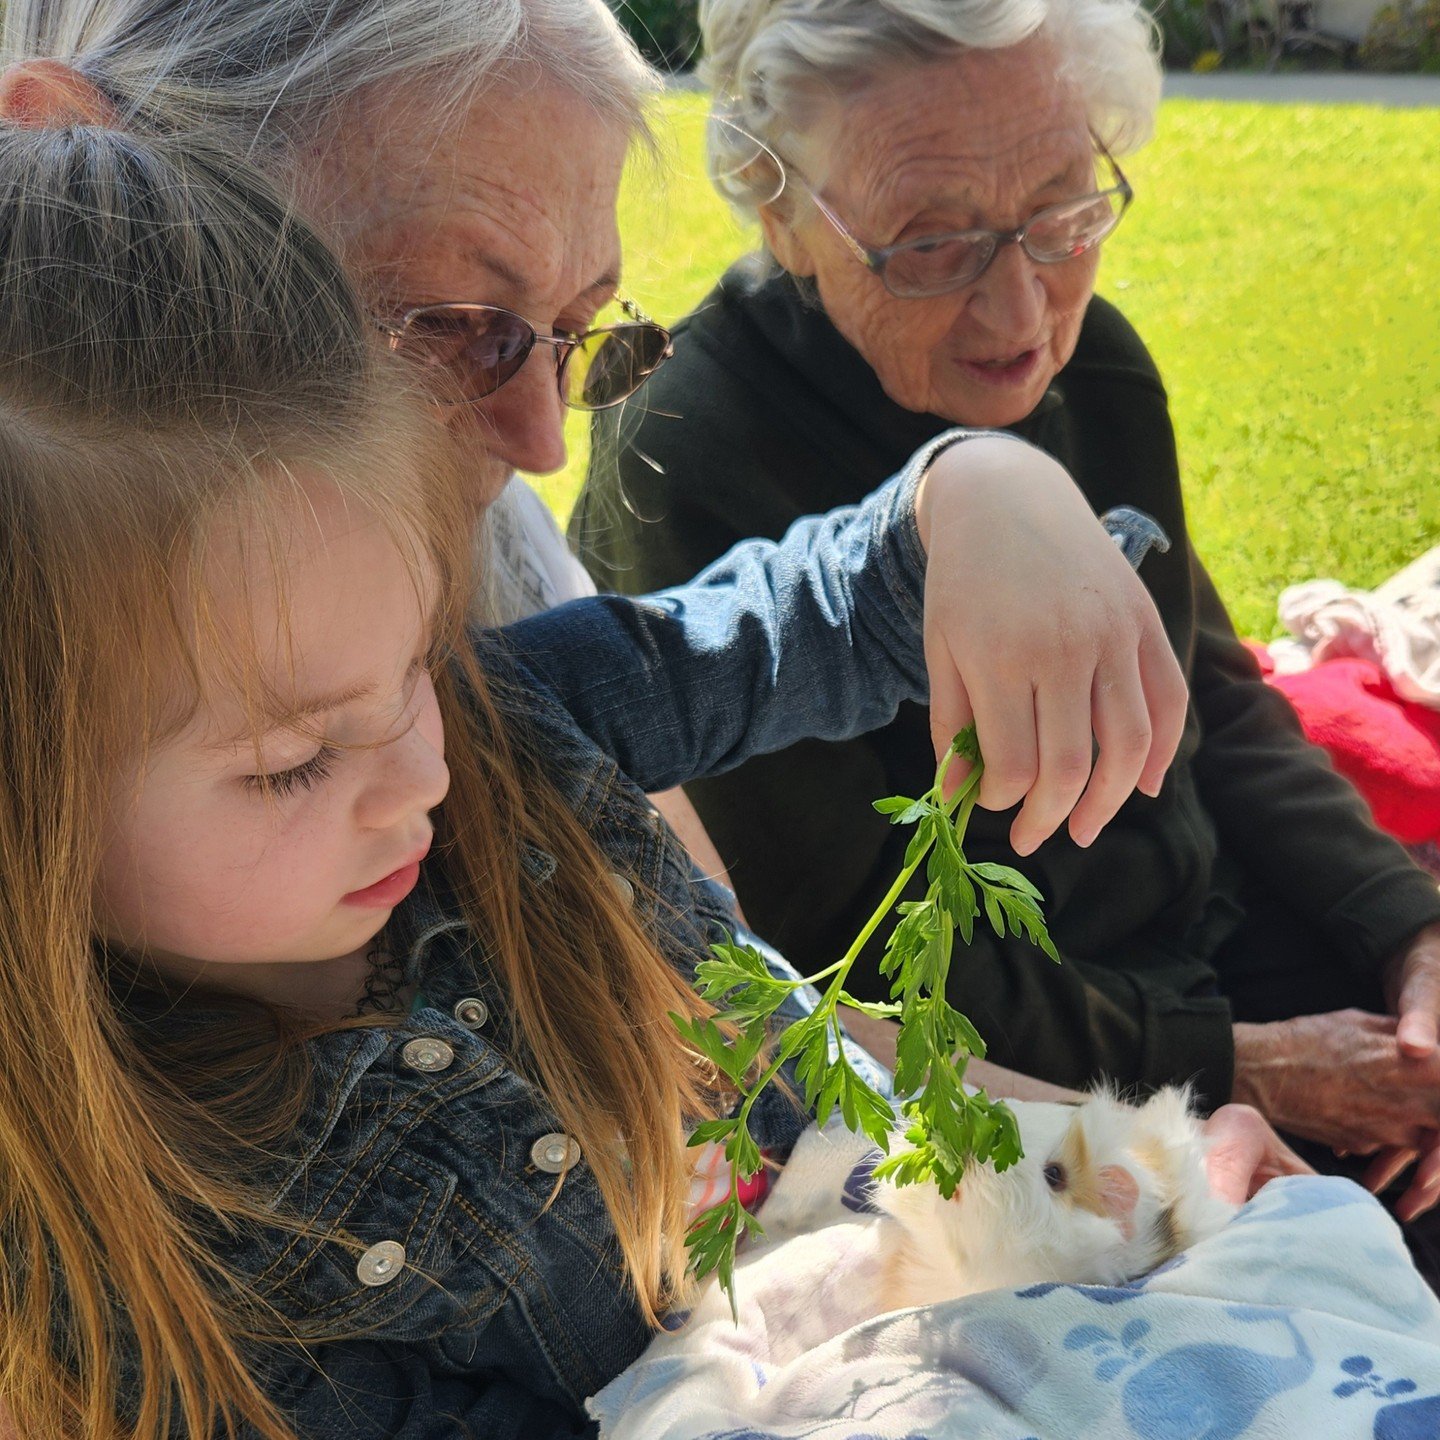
x: 388, y: 891
x: 1019, y: 370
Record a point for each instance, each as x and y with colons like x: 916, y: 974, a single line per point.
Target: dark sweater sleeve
x: 1149, y: 1022
x: 667, y: 490
x: 1281, y: 809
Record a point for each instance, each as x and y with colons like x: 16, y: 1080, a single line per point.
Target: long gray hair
x: 260, y: 77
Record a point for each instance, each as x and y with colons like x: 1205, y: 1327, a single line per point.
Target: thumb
x: 1416, y: 1033
x: 1418, y: 1006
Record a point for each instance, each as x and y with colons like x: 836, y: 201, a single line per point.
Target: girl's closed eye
x: 305, y: 776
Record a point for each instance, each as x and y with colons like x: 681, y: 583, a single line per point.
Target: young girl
x: 338, y: 1095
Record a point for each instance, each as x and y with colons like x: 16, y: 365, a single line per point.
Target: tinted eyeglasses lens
x: 481, y: 347
x: 610, y: 365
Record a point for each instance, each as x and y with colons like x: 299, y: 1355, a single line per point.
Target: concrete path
x: 1327, y: 88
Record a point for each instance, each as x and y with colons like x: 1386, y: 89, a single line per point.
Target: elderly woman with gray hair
x: 934, y: 180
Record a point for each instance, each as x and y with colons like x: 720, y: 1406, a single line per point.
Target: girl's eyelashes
x: 305, y: 776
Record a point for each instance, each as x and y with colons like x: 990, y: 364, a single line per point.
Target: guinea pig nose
x: 1119, y: 1194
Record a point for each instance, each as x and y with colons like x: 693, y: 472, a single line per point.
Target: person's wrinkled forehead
x: 907, y: 124
x: 523, y: 173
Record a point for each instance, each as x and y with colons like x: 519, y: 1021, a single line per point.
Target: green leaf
x: 903, y: 811
x: 706, y: 1037
x: 873, y: 1113
x: 993, y: 913
x: 892, y: 804
x: 875, y: 1009
x: 967, y: 743
x: 737, y: 977
x: 920, y: 842
x: 713, y: 1240
x: 1009, y: 878
x: 708, y: 1130
x: 1023, y: 914
x: 743, y: 1153
x: 963, y: 1035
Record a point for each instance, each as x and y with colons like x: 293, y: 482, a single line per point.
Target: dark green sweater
x: 765, y: 414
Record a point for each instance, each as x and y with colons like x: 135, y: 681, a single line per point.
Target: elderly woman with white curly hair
x: 935, y: 180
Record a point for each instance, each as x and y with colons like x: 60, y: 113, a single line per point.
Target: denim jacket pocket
x: 388, y: 1276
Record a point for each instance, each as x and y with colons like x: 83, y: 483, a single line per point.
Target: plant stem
x: 967, y: 792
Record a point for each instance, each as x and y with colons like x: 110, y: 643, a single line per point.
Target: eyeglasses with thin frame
x: 936, y: 264
x: 481, y: 347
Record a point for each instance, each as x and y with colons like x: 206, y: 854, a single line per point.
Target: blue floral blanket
x: 1302, y: 1320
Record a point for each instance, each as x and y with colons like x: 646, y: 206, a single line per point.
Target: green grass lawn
x: 1282, y: 263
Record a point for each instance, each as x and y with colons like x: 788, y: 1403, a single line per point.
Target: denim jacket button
x: 381, y: 1263
x: 555, y: 1153
x: 623, y: 888
x: 471, y: 1012
x: 427, y: 1054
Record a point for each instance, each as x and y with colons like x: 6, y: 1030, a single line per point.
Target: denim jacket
x: 486, y: 1305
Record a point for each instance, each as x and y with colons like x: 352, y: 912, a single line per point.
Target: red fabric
x: 1388, y: 748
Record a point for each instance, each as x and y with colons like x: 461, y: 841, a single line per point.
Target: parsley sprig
x: 949, y: 1127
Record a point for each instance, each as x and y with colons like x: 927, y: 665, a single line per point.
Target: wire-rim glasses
x: 936, y: 264
x: 482, y: 347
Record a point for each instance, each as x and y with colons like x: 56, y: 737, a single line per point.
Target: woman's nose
x: 1009, y: 298
x: 525, y: 417
x: 411, y: 778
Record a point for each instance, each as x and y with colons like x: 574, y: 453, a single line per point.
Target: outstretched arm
x: 824, y: 634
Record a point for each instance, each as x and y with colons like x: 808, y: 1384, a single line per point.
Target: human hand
x: 1245, y: 1153
x: 1412, y: 990
x: 1037, y: 629
x: 1340, y: 1078
x: 1424, y: 1188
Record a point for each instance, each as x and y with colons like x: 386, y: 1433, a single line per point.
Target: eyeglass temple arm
x: 869, y: 258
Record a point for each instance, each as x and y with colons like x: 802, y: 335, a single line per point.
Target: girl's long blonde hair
x: 175, y: 344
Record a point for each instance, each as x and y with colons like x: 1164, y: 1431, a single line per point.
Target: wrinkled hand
x: 1339, y: 1078
x: 1037, y: 629
x: 1412, y: 989
x: 1245, y: 1153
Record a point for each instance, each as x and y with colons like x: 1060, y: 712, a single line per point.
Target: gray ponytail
x: 259, y: 77
x: 157, y: 281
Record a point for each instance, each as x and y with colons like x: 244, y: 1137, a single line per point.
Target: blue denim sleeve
x: 818, y: 635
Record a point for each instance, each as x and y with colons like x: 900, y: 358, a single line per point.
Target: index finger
x: 1424, y: 1188
x: 1389, y: 1164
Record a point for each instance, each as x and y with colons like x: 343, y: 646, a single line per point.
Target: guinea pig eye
x: 1055, y: 1175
